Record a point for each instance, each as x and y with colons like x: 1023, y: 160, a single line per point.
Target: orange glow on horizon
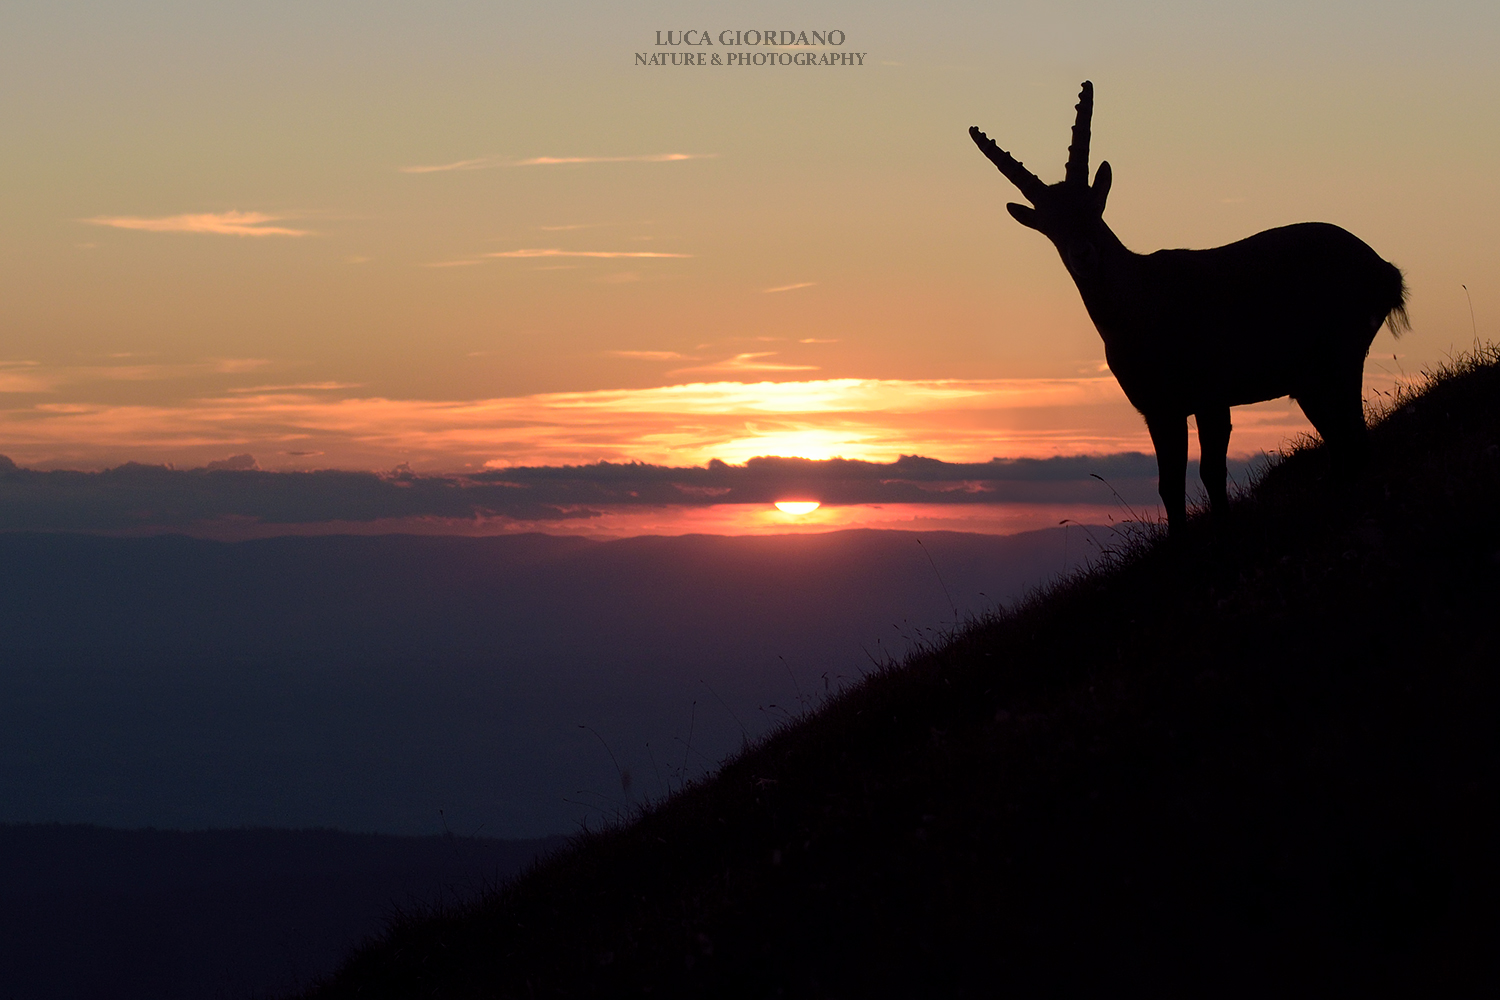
x: 711, y: 519
x: 322, y: 425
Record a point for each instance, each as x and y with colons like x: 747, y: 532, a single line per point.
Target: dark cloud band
x: 143, y: 497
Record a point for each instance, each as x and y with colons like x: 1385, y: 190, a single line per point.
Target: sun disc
x: 797, y: 506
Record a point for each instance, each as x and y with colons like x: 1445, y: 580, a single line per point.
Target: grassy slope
x: 1267, y: 757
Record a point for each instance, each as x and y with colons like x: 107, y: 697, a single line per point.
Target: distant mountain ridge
x: 175, y: 915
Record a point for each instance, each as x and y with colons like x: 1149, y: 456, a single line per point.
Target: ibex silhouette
x: 1286, y: 312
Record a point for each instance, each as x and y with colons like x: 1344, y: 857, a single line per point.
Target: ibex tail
x: 1396, y: 320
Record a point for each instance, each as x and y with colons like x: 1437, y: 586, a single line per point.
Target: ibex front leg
x: 1169, y: 438
x: 1213, y: 460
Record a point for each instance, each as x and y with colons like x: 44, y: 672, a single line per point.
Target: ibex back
x: 1286, y: 312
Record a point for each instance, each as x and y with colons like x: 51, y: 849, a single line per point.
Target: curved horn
x: 1030, y: 185
x: 1078, y: 153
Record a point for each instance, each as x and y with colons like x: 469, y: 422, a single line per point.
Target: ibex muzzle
x: 1286, y: 312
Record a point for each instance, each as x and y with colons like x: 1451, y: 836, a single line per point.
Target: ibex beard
x: 1287, y: 312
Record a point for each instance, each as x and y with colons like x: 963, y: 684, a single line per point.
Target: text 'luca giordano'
x: 749, y: 48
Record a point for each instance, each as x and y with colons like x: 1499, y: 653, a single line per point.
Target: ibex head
x: 1071, y: 212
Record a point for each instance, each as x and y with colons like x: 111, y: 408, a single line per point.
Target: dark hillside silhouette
x: 1262, y: 761
x: 1286, y: 312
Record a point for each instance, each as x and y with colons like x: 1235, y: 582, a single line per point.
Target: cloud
x: 683, y: 424
x: 163, y: 372
x: 235, y: 463
x: 237, y: 365
x: 235, y: 491
x: 548, y: 161
x: 790, y: 288
x: 481, y: 163
x: 26, y: 377
x: 583, y: 253
x: 222, y: 223
x: 491, y: 162
x: 298, y: 386
x: 32, y: 377
x: 748, y: 362
x: 650, y: 355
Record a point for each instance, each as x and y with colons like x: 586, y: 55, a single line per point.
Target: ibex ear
x: 1023, y: 214
x: 1102, y: 181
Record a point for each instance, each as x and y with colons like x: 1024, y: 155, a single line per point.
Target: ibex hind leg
x: 1336, y: 409
x: 1169, y: 438
x: 1213, y: 460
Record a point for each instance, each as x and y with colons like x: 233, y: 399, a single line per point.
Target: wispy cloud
x: 298, y: 387
x: 790, y: 288
x: 221, y: 223
x: 748, y: 362
x: 236, y: 365
x: 682, y: 424
x: 650, y: 355
x: 818, y: 340
x: 31, y: 376
x: 26, y: 377
x: 548, y: 161
x: 491, y: 162
x: 480, y: 163
x: 583, y: 253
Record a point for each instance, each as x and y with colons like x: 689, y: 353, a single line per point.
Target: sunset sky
x: 469, y: 236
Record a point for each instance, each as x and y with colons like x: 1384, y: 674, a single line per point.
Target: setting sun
x: 797, y: 506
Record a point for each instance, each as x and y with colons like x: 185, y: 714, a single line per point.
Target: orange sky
x: 332, y: 425
x: 356, y: 236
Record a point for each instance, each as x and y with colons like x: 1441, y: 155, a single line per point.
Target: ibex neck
x: 1111, y: 290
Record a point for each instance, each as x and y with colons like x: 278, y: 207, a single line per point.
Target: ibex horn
x: 1030, y: 185
x: 1078, y: 153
